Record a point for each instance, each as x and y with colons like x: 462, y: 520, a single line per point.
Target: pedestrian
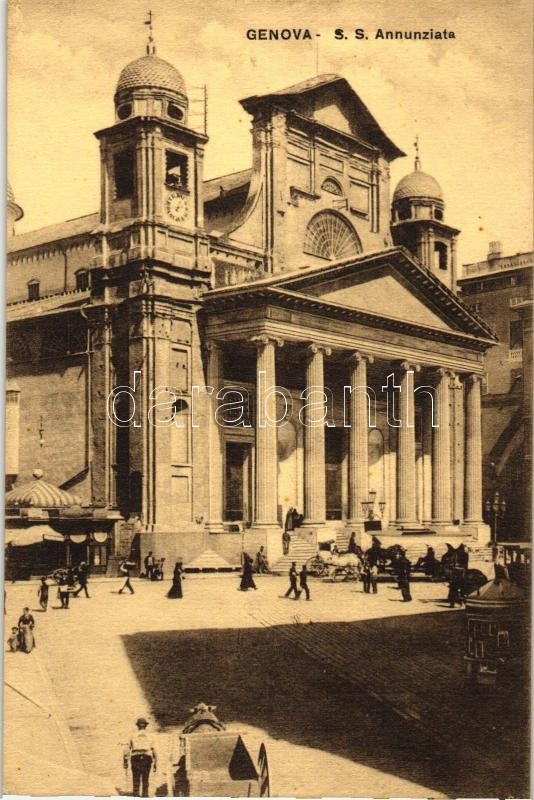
x: 140, y: 754
x: 63, y: 589
x: 124, y: 568
x: 353, y: 547
x: 42, y: 594
x: 83, y: 577
x: 247, y: 581
x: 149, y: 566
x: 366, y: 575
x: 403, y: 569
x: 373, y: 577
x: 175, y: 592
x: 13, y: 641
x: 262, y: 565
x: 293, y: 581
x: 26, y: 624
x: 303, y: 577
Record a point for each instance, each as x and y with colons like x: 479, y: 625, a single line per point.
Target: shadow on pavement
x: 259, y: 677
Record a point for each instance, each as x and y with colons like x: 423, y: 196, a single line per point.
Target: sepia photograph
x: 268, y: 399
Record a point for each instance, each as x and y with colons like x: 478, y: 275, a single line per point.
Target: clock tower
x: 152, y: 170
x: 152, y: 263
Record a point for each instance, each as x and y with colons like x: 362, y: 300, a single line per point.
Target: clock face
x: 177, y: 206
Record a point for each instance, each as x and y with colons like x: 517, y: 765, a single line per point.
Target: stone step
x: 299, y: 551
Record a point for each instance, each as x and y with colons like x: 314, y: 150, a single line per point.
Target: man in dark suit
x: 304, y: 582
x: 83, y: 577
x: 293, y: 581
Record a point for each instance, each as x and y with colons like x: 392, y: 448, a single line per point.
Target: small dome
x: 151, y: 72
x: 16, y: 210
x: 41, y: 494
x: 418, y: 184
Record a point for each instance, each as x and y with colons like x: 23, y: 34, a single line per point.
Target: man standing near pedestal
x: 141, y: 755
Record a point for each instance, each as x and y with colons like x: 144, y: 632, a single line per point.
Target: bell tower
x: 152, y: 169
x: 417, y: 223
x: 152, y: 263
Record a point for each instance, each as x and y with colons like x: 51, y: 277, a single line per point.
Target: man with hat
x: 141, y: 755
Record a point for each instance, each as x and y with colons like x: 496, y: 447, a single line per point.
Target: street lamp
x: 495, y: 511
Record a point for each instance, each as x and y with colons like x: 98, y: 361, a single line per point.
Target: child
x: 42, y: 594
x: 13, y: 640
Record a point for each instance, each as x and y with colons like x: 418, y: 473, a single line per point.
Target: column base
x: 215, y: 527
x: 477, y: 530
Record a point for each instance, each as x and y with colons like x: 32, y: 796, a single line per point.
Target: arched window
x: 33, y: 289
x: 330, y: 236
x: 332, y: 186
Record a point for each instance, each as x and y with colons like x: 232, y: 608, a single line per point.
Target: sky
x: 469, y: 99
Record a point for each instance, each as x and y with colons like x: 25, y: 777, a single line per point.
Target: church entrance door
x: 237, y: 489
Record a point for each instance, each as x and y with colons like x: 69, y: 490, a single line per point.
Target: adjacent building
x: 499, y: 290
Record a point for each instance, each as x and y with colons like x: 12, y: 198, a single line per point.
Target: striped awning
x: 40, y: 494
x: 22, y: 537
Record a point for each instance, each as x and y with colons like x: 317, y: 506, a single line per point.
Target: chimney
x: 495, y: 251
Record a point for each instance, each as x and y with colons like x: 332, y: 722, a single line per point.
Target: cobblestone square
x: 348, y: 690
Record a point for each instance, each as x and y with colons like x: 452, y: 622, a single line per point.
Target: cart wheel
x: 264, y: 772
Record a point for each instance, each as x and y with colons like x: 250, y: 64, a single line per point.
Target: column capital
x: 472, y: 379
x: 406, y: 366
x: 357, y: 357
x: 263, y: 339
x: 314, y: 348
x: 441, y: 372
x: 210, y: 345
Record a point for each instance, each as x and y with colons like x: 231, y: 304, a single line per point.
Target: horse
x: 336, y: 565
x: 344, y: 565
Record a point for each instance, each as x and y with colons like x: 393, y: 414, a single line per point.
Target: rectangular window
x: 33, y: 290
x: 176, y: 170
x: 123, y: 167
x: 82, y: 280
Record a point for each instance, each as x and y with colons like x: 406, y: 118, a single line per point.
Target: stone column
x: 215, y: 441
x: 314, y: 442
x: 266, y: 495
x: 441, y: 464
x: 473, y: 450
x: 358, y: 436
x: 406, y: 483
x: 426, y: 451
x: 458, y: 455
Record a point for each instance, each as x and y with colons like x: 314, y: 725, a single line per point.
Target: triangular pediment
x: 331, y: 101
x: 391, y: 285
x: 386, y: 294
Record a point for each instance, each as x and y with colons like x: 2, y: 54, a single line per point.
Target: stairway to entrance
x: 299, y: 551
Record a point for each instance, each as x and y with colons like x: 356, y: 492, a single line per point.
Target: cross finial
x: 417, y: 159
x: 150, y: 46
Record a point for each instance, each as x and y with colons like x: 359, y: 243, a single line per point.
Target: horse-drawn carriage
x: 336, y: 566
x: 207, y: 760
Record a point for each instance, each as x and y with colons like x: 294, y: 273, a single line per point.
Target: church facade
x: 145, y: 340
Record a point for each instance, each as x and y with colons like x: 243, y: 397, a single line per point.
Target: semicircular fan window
x: 329, y: 236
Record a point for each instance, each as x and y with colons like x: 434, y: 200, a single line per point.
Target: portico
x: 392, y: 396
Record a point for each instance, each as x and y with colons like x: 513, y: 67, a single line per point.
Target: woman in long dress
x: 247, y: 581
x: 175, y: 592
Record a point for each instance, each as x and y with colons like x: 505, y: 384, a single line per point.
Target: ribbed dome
x: 151, y: 72
x: 16, y: 210
x: 418, y: 184
x: 40, y: 494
